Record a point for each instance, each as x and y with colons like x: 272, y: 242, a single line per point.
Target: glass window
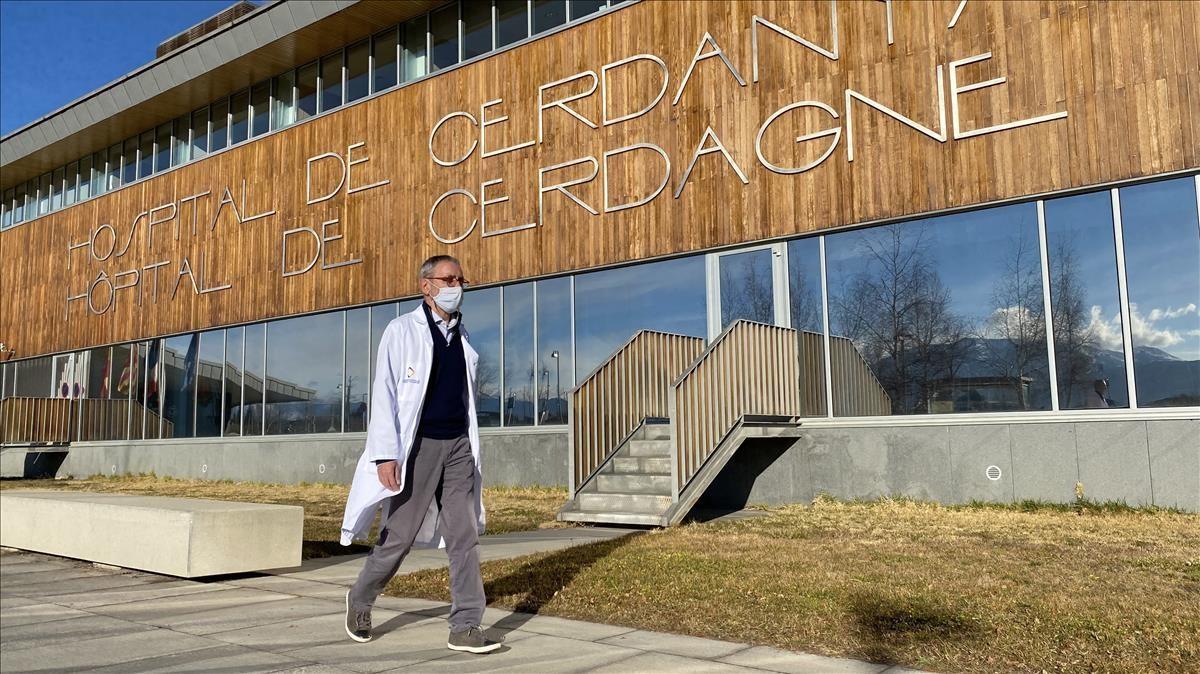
x: 581, y: 8
x: 44, y: 194
x: 33, y: 378
x: 1162, y: 255
x: 147, y: 411
x: 747, y: 288
x: 383, y: 49
x: 477, y: 28
x: 87, y: 178
x: 19, y: 207
x: 252, y: 388
x: 129, y: 162
x: 145, y: 155
x: 358, y: 350
x: 200, y: 133
x: 443, y: 35
x: 481, y: 318
x: 209, y: 378
x: 548, y: 14
x: 415, y: 48
x: 100, y: 172
x: 260, y: 103
x: 512, y: 21
x: 304, y: 375
x: 521, y: 377
x: 939, y: 315
x: 331, y: 81
x: 1089, y: 353
x: 56, y: 188
x: 285, y: 100
x: 804, y: 304
x: 7, y: 219
x: 612, y: 305
x: 181, y: 144
x: 239, y: 112
x: 381, y: 315
x: 116, y: 159
x: 162, y: 147
x: 306, y: 92
x: 219, y: 136
x: 231, y: 407
x: 31, y: 198
x: 71, y: 190
x: 554, y: 364
x: 358, y: 83
x: 179, y: 385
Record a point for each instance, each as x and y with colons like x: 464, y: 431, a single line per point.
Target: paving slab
x: 654, y: 663
x: 415, y: 644
x: 70, y: 631
x: 557, y: 627
x: 311, y: 631
x: 219, y: 658
x: 676, y: 644
x: 168, y: 608
x: 290, y: 585
x: 125, y: 595
x: 239, y: 617
x: 537, y: 653
x: 52, y: 587
x: 100, y: 652
x: 777, y: 660
x: 35, y: 613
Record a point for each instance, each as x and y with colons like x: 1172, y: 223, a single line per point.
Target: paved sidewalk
x: 60, y: 615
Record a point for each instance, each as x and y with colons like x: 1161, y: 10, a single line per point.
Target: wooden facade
x: 1127, y: 75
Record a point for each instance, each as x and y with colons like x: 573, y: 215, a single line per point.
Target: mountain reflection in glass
x: 1089, y: 352
x: 939, y: 315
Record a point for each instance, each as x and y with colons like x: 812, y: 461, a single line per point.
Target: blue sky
x: 51, y: 53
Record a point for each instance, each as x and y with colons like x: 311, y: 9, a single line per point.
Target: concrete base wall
x: 1139, y: 462
x: 512, y: 458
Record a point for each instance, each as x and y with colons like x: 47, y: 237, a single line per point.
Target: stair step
x: 602, y: 517
x: 633, y: 483
x: 623, y: 465
x: 656, y: 432
x: 650, y: 448
x: 628, y: 503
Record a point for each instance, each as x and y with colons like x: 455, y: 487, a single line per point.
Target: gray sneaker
x: 471, y: 640
x: 358, y: 622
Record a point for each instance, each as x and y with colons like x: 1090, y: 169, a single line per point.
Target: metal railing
x: 750, y: 369
x: 632, y: 385
x: 59, y: 421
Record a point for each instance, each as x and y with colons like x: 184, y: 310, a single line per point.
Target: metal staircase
x: 653, y: 425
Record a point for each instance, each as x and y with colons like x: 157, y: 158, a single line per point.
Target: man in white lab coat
x: 421, y: 461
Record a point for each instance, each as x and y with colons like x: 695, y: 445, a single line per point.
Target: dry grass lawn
x: 508, y: 508
x: 968, y: 589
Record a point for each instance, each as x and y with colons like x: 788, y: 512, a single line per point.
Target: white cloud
x: 1170, y: 312
x: 1108, y: 332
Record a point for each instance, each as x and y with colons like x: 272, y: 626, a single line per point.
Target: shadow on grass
x: 538, y: 581
x: 889, y: 626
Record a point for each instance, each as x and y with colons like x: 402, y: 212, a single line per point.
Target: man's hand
x: 389, y: 474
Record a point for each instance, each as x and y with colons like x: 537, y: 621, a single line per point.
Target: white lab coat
x: 401, y: 376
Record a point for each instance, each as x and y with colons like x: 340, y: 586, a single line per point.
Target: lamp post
x: 557, y: 375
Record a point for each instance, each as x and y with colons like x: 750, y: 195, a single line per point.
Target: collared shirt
x: 444, y: 325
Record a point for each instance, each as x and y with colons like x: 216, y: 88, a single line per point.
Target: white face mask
x: 449, y: 298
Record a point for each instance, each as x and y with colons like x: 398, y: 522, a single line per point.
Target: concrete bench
x: 175, y: 536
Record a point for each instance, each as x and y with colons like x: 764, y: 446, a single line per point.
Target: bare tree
x: 748, y: 294
x: 1075, y: 339
x: 1017, y: 324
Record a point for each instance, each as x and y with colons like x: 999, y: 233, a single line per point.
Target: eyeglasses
x: 450, y: 280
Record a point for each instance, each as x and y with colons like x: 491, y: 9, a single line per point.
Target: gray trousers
x: 442, y: 470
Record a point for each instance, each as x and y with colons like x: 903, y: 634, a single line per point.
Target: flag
x: 128, y: 373
x: 104, y: 375
x: 152, y: 374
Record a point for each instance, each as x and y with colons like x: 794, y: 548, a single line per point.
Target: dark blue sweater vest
x: 444, y: 414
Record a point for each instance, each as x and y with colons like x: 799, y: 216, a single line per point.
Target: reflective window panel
x: 199, y: 133
x: 71, y: 189
x: 209, y: 379
x: 521, y: 378
x: 747, y: 289
x: 358, y: 82
x: 548, y: 14
x: 512, y: 21
x: 44, y: 194
x: 87, y: 177
x: 415, y: 49
x: 331, y: 81
x: 220, y: 126
x: 555, y: 366
x: 231, y: 405
x: 1089, y: 354
x: 260, y: 106
x: 477, y: 28
x: 481, y: 318
x: 56, y: 188
x: 1162, y: 268
x: 939, y: 315
x: 381, y: 315
x: 358, y: 355
x: 179, y: 385
x: 253, y: 378
x: 285, y: 106
x: 581, y: 8
x: 306, y: 92
x: 384, y: 71
x: 804, y: 305
x: 181, y: 144
x: 145, y: 155
x: 443, y: 35
x: 239, y: 113
x: 162, y: 147
x: 612, y: 305
x: 304, y: 375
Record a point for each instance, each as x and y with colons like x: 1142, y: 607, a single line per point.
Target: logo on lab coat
x: 410, y: 376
